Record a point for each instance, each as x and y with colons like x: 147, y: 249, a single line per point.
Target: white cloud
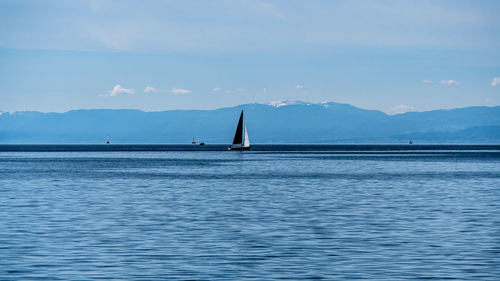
x: 150, y: 89
x: 402, y: 108
x: 427, y: 81
x: 450, y: 82
x: 299, y: 86
x: 117, y: 90
x: 227, y: 91
x: 496, y: 81
x: 179, y: 91
x: 216, y: 89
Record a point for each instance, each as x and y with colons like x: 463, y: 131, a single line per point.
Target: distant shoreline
x: 338, y: 148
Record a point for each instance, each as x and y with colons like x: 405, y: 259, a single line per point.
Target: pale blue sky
x: 62, y: 55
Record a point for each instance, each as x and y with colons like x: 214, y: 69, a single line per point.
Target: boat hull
x: 239, y: 147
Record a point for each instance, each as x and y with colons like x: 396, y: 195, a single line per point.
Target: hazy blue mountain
x: 285, y: 122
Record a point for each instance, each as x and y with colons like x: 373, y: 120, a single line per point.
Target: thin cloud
x: 299, y: 86
x: 150, y: 89
x: 496, y: 81
x: 118, y: 90
x: 450, y: 82
x: 402, y: 108
x: 427, y: 82
x: 179, y: 91
x: 216, y: 89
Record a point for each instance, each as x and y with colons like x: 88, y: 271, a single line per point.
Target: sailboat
x: 240, y: 141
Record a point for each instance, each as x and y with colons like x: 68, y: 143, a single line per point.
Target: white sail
x: 246, y: 143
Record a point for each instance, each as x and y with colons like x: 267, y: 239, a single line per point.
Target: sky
x: 394, y: 56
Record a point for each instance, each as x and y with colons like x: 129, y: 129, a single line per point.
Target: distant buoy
x: 107, y: 140
x: 411, y: 142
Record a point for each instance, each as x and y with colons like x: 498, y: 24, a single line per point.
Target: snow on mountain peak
x: 287, y: 102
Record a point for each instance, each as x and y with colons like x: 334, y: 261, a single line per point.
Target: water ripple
x: 213, y: 215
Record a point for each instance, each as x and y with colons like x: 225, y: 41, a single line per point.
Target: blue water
x: 336, y: 212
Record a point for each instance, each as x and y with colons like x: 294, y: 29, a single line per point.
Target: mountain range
x: 278, y: 122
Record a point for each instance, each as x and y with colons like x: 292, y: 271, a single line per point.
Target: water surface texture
x: 341, y: 212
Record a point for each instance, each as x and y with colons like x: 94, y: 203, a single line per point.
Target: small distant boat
x: 411, y: 142
x: 107, y: 140
x: 202, y: 143
x: 241, y: 140
x: 193, y: 142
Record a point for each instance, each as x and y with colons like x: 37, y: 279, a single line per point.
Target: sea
x: 276, y: 212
